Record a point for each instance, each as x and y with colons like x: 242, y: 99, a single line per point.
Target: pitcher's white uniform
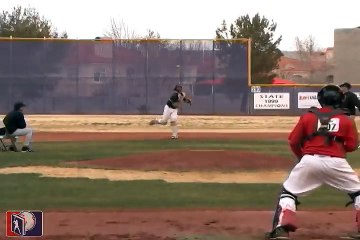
x: 171, y: 107
x: 171, y: 110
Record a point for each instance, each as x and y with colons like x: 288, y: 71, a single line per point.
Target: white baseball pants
x: 312, y: 172
x: 169, y: 114
x: 27, y: 132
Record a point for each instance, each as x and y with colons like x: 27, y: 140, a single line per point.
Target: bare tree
x: 310, y: 53
x: 306, y: 47
x: 195, y: 45
x: 150, y: 34
x: 122, y: 34
x: 120, y: 30
x: 154, y: 37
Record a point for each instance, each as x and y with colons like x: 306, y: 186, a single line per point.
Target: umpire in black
x: 15, y: 125
x: 351, y: 101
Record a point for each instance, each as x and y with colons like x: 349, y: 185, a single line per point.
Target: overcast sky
x: 197, y: 19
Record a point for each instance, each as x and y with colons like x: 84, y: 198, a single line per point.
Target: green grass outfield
x: 29, y: 191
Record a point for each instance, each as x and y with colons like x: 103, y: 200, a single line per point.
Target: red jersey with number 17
x: 341, y: 126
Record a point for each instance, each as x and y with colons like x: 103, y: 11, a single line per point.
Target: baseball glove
x: 188, y: 100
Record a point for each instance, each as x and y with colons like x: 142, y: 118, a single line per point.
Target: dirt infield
x: 167, y: 176
x: 193, y: 160
x: 186, y: 224
x: 245, y: 177
x: 116, y: 123
x: 123, y: 136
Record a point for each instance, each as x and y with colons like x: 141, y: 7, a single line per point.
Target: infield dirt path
x: 123, y: 136
x: 184, y: 224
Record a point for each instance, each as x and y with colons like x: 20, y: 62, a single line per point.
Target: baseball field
x: 115, y: 177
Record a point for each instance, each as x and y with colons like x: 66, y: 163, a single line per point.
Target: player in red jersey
x: 320, y: 141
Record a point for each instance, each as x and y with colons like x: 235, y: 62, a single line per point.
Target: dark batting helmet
x: 330, y: 95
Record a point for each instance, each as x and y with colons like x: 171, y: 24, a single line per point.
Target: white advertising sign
x: 307, y: 100
x: 271, y: 100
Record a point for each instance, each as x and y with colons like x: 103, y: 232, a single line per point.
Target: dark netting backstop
x: 123, y: 76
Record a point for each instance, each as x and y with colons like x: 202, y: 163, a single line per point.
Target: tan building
x: 347, y: 55
x: 314, y: 69
x: 96, y: 69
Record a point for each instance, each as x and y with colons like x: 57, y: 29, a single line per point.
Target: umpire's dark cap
x: 346, y: 84
x: 18, y: 105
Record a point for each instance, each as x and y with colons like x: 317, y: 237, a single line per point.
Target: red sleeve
x: 351, y: 141
x: 296, y: 137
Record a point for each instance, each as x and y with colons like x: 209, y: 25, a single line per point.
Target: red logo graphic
x: 24, y: 223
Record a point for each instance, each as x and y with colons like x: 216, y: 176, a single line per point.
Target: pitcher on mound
x: 320, y: 141
x: 171, y: 110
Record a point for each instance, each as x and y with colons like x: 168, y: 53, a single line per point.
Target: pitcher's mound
x: 193, y: 160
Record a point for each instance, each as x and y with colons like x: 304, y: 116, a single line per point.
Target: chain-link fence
x: 123, y: 76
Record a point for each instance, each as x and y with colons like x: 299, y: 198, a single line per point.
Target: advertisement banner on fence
x: 307, y: 100
x: 271, y: 100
